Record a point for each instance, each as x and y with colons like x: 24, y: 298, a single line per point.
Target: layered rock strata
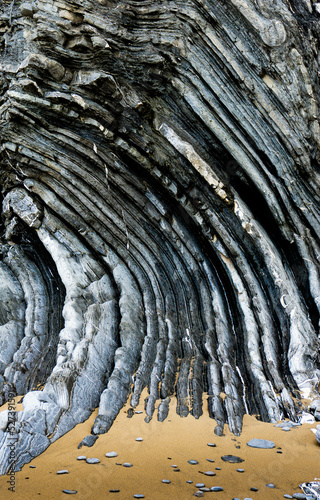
x: 160, y: 210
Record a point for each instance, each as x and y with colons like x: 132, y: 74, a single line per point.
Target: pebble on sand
x: 139, y: 439
x: 209, y: 473
x: 70, y: 492
x: 127, y: 464
x: 92, y: 460
x: 232, y: 459
x: 64, y: 471
x: 193, y: 462
x: 270, y: 485
x: 200, y: 485
x: 198, y: 494
x: 261, y: 443
x: 138, y: 495
x: 111, y: 454
x: 166, y: 481
x: 114, y: 491
x: 216, y: 488
x: 81, y: 457
x: 211, y: 444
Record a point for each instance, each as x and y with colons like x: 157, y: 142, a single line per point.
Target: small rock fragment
x: 88, y: 441
x: 200, y: 485
x: 81, y: 457
x: 111, y: 454
x: 166, y: 481
x: 216, y: 488
x: 213, y: 445
x: 198, y: 494
x: 138, y: 495
x: 127, y: 464
x: 193, y: 462
x: 139, y: 439
x: 270, y: 485
x: 64, y: 471
x: 70, y: 492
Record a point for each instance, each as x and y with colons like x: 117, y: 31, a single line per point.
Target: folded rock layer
x: 160, y: 211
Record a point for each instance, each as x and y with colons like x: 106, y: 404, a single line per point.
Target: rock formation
x: 160, y: 210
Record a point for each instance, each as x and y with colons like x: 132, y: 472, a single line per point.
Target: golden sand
x: 165, y: 444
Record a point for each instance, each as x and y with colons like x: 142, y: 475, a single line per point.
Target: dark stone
x: 88, y: 441
x: 232, y: 459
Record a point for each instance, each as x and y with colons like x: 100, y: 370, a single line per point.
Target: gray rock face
x: 159, y: 166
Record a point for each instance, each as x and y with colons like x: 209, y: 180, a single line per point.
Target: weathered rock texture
x: 160, y: 192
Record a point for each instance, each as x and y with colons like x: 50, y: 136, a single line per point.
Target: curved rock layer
x: 160, y: 194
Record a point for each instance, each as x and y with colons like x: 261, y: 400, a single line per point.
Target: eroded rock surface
x: 160, y: 210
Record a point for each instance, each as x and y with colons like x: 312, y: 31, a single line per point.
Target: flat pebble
x: 218, y: 468
x: 270, y: 485
x: 127, y: 464
x: 286, y: 429
x: 139, y: 439
x: 176, y: 470
x: 200, y: 485
x: 189, y: 482
x: 138, y: 495
x: 81, y: 457
x: 232, y: 459
x: 216, y: 488
x: 138, y: 412
x: 166, y: 481
x: 240, y: 470
x: 92, y: 460
x: 209, y: 460
x: 198, y: 494
x: 287, y: 496
x: 211, y: 444
x: 64, y: 471
x: 300, y: 496
x: 70, y: 492
x: 254, y: 488
x: 174, y: 466
x: 204, y: 489
x: 111, y: 454
x: 32, y: 466
x: 261, y: 443
x: 193, y: 462
x: 209, y: 473
x: 236, y: 498
x: 114, y: 491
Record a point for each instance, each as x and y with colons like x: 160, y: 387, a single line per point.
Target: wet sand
x: 172, y: 442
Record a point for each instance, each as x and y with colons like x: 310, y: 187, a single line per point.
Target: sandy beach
x: 163, y: 454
